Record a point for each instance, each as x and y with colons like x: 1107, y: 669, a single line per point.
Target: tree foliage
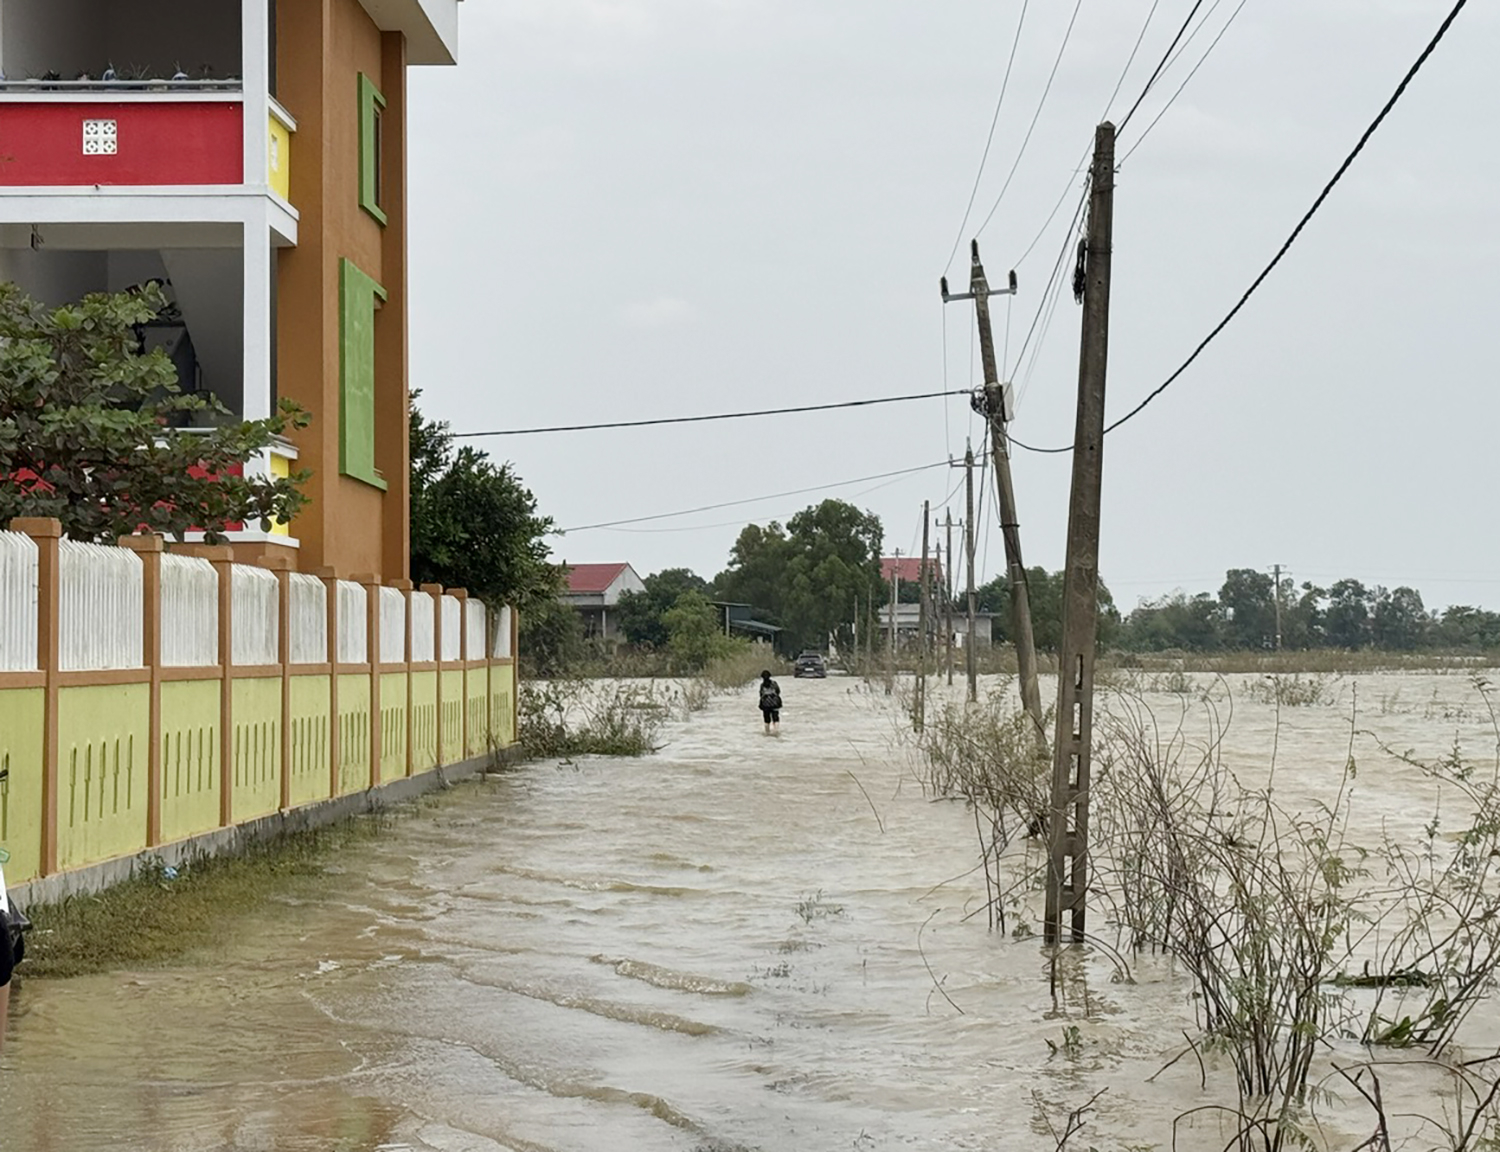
x: 641, y: 616
x: 87, y: 435
x: 811, y: 577
x: 1045, y: 595
x: 474, y: 524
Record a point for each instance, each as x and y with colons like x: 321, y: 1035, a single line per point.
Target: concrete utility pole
x: 1068, y: 821
x: 890, y: 673
x: 1277, y: 590
x: 996, y: 404
x: 920, y: 714
x: 948, y: 599
x: 969, y: 664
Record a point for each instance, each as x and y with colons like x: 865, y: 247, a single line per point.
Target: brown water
x: 719, y: 947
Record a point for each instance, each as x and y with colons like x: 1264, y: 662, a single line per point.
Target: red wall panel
x: 41, y: 144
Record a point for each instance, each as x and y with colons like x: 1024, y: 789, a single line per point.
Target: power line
x: 1142, y: 137
x: 1068, y: 35
x: 1166, y: 56
x: 715, y: 416
x: 990, y: 139
x: 1290, y: 240
x: 757, y: 499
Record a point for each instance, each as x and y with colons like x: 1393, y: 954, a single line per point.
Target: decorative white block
x: 100, y: 138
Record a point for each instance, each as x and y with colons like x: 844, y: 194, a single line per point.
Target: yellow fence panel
x: 189, y: 758
x: 503, y: 704
x: 476, y: 712
x: 451, y: 716
x: 256, y: 747
x: 423, y: 721
x: 104, y: 732
x: 354, y: 733
x: 21, y: 731
x: 392, y: 725
x: 311, y: 730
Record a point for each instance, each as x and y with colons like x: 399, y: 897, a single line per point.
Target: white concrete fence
x: 101, y: 614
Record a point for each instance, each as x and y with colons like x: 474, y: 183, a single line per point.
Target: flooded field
x: 739, y: 943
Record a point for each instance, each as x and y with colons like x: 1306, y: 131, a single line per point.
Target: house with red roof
x: 594, y: 589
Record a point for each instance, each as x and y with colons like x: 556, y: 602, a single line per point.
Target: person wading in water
x: 770, y: 704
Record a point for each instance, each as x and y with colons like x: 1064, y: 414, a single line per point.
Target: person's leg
x: 776, y: 722
x: 4, y: 1009
x: 765, y: 714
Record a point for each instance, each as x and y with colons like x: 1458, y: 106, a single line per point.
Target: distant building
x: 908, y: 569
x: 740, y: 618
x: 594, y: 589
x: 909, y: 622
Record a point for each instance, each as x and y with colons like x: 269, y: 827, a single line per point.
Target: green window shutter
x: 357, y: 296
x: 371, y: 106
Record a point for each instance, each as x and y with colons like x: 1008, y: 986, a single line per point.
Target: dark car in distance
x: 810, y: 664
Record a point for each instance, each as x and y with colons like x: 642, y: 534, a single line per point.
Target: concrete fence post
x: 462, y: 596
x: 47, y: 535
x: 371, y: 584
x: 405, y: 588
x: 331, y: 582
x: 149, y: 548
x: 436, y: 592
x: 281, y: 568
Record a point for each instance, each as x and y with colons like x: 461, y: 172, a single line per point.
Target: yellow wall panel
x: 477, y: 710
x: 503, y: 704
x: 423, y: 721
x: 103, y: 735
x: 354, y: 733
x: 451, y: 716
x: 255, y: 745
x: 21, y: 785
x: 311, y: 728
x: 189, y: 758
x: 392, y: 725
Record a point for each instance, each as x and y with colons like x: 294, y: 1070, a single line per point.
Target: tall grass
x: 565, y: 718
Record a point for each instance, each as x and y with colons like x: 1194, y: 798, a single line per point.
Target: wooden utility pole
x: 1068, y: 822
x: 948, y: 599
x: 969, y: 664
x: 996, y: 404
x: 920, y: 712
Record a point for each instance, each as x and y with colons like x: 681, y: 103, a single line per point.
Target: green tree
x: 551, y: 641
x: 1462, y: 626
x: 1399, y: 622
x: 86, y: 430
x: 1346, y: 620
x: 1248, y: 603
x: 693, y: 634
x: 640, y: 614
x: 1177, y: 621
x: 474, y: 525
x: 834, y: 562
x: 1044, y: 594
x: 757, y: 570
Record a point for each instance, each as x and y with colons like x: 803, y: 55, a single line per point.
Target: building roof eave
x: 430, y: 27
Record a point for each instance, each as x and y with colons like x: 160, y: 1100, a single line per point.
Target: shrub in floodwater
x: 739, y: 666
x: 1294, y: 691
x: 562, y: 718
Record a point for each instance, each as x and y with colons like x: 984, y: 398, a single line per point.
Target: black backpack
x: 770, y: 695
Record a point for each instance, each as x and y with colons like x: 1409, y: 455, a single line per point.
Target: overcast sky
x: 636, y: 208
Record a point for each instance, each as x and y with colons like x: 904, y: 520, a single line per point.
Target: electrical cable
x: 990, y: 139
x: 756, y: 499
x: 1120, y: 83
x: 1157, y: 119
x: 1161, y: 64
x: 1068, y: 35
x: 715, y: 416
x: 1290, y: 240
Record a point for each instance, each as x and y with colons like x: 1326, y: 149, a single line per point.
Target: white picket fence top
x: 501, y: 649
x: 256, y: 628
x: 423, y: 628
x: 392, y: 626
x: 354, y: 624
x: 101, y: 608
x: 309, y: 620
x: 189, y: 612
x: 18, y: 598
x: 452, y: 622
x: 475, y: 634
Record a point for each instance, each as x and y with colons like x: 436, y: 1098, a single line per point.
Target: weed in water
x: 565, y: 718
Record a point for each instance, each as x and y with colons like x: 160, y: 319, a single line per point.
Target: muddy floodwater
x: 738, y: 943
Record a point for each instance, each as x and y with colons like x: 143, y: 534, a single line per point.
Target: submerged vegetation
x: 1301, y: 927
x: 163, y: 913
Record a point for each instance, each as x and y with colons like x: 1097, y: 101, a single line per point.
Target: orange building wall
x: 322, y: 47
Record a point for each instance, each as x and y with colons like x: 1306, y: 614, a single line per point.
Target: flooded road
x: 739, y: 943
